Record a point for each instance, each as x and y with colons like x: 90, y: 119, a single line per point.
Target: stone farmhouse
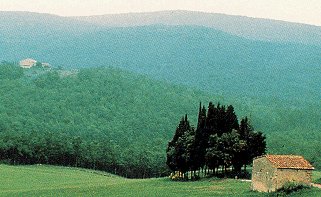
x: 272, y: 172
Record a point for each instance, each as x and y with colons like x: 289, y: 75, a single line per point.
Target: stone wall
x: 263, y: 175
x: 293, y: 175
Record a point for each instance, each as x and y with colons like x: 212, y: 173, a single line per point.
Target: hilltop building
x: 27, y: 63
x: 272, y: 172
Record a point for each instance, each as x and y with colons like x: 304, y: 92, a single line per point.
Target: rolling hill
x: 199, y: 57
x: 112, y: 116
x: 271, y: 74
x: 53, y: 181
x: 251, y: 28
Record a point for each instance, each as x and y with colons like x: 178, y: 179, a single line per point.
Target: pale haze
x: 301, y: 11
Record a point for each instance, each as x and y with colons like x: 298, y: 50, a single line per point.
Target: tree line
x: 219, y: 142
x: 52, y: 148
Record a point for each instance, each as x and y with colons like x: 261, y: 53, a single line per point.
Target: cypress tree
x: 200, y: 142
x: 213, y: 154
x: 221, y: 122
x: 255, y: 144
x: 177, y: 156
x: 201, y: 117
x: 231, y: 119
x: 183, y: 126
x: 245, y: 128
x: 211, y: 118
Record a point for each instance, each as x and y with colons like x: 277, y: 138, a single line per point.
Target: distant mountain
x: 251, y: 28
x: 259, y: 72
x: 26, y: 34
x: 39, y: 24
x: 199, y: 57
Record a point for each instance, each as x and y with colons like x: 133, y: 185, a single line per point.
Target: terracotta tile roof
x: 289, y: 162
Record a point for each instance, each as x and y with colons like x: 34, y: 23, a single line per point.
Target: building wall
x: 263, y: 175
x: 293, y: 175
x: 25, y: 66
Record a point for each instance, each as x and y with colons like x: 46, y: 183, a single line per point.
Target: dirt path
x: 316, y: 185
x: 245, y: 180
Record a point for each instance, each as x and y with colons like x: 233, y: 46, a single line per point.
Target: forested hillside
x: 121, y: 122
x: 195, y: 56
x: 198, y: 57
x: 159, y: 73
x: 98, y: 118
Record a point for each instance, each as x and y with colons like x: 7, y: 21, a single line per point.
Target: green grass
x: 316, y: 178
x: 62, y: 181
x: 316, y: 175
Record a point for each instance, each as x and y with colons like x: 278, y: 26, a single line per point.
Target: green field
x: 62, y: 181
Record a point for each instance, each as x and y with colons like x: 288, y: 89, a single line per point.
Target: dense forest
x: 100, y: 118
x: 218, y: 141
x: 113, y: 120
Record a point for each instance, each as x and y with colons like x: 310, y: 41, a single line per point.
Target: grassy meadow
x: 61, y: 181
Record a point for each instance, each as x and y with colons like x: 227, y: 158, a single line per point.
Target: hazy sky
x: 304, y: 11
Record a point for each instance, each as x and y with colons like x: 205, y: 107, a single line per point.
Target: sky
x: 302, y: 11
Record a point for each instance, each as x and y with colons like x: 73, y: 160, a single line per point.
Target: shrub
x: 292, y: 187
x: 178, y: 176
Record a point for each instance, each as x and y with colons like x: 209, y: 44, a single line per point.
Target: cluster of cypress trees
x: 219, y: 141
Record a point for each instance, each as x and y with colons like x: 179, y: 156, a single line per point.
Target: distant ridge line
x: 190, y: 12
